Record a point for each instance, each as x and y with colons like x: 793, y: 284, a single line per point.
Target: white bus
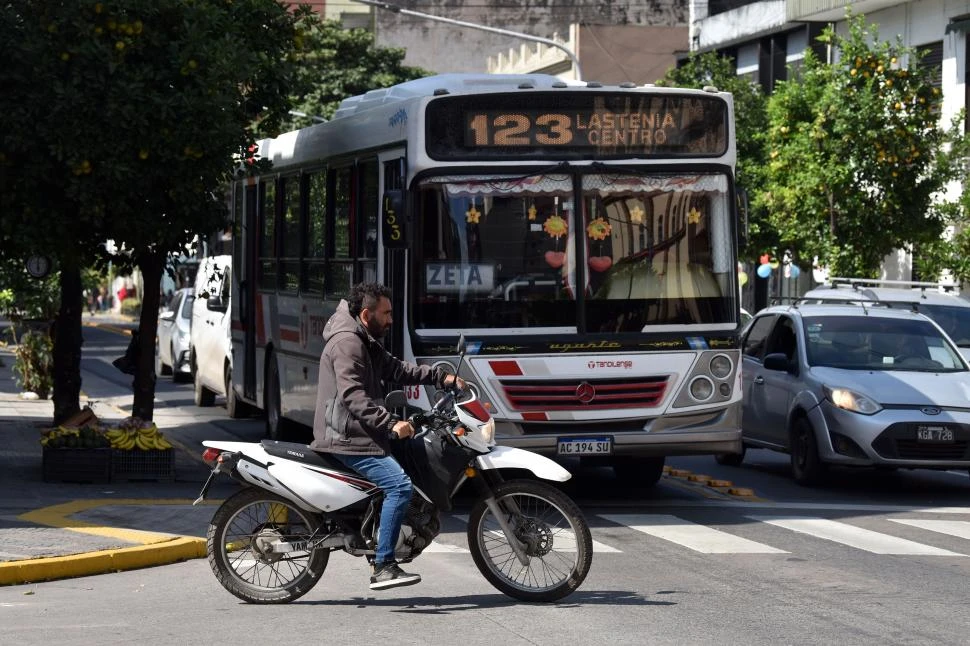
x: 583, y: 239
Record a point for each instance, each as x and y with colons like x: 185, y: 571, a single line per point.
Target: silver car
x: 172, y: 345
x: 853, y: 385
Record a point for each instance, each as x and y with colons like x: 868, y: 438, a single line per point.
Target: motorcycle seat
x: 303, y: 453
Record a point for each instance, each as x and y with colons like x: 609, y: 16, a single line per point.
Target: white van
x: 211, y: 346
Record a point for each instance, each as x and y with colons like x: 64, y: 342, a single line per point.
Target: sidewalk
x: 58, y: 530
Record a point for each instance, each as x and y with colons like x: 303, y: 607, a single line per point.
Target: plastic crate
x: 77, y: 465
x: 142, y: 465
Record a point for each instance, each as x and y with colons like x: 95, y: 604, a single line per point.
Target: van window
x: 754, y: 343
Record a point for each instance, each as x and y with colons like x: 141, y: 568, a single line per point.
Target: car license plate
x: 933, y: 434
x: 585, y: 446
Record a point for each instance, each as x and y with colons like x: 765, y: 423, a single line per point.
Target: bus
x: 581, y: 238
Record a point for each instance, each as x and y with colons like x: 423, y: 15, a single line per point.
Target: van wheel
x: 203, y: 396
x: 234, y: 407
x: 638, y: 471
x: 277, y: 426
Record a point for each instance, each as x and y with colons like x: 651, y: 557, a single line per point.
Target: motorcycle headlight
x: 852, y: 401
x: 488, y: 432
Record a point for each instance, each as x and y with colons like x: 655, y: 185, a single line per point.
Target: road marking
x: 699, y: 538
x: 852, y: 536
x: 959, y: 528
x: 565, y: 536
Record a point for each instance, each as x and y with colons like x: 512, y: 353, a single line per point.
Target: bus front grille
x: 583, y: 394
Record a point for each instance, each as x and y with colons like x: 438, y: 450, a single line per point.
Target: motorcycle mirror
x: 461, y: 343
x: 395, y: 399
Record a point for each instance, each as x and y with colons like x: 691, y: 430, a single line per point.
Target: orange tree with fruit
x: 121, y: 120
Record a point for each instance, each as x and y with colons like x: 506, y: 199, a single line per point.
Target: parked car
x: 173, y: 340
x: 939, y: 302
x: 853, y: 385
x: 211, y: 352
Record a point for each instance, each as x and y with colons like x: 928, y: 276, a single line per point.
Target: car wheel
x: 807, y: 468
x: 160, y: 368
x: 731, y: 459
x: 203, y: 396
x: 638, y: 471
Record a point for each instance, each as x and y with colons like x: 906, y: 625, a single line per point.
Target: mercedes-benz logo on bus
x: 585, y: 392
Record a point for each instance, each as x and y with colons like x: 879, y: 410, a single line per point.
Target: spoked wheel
x: 254, y: 545
x: 553, y: 534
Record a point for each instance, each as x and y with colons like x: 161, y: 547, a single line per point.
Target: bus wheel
x: 638, y: 471
x: 277, y: 426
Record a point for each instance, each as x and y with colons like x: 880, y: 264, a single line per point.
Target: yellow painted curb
x: 156, y: 548
x: 741, y: 491
x: 679, y: 472
x: 694, y: 477
x: 179, y: 548
x: 719, y: 483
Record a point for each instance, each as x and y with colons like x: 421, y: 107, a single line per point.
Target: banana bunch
x: 145, y: 439
x: 63, y: 437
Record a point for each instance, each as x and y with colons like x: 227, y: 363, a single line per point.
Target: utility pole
x: 495, y: 30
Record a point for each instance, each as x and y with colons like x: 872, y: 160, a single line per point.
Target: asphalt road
x: 871, y: 557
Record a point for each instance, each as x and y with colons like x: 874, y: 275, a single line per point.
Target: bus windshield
x: 501, y: 252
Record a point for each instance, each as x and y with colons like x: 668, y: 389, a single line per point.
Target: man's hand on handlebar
x: 454, y: 381
x: 403, y: 430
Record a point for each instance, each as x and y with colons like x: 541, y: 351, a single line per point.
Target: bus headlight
x: 721, y: 366
x: 701, y: 388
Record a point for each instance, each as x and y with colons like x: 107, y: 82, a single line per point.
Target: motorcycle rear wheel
x: 556, y: 537
x: 237, y: 540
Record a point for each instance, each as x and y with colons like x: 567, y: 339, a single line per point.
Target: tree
x: 123, y: 120
x: 858, y: 161
x: 336, y: 63
x: 751, y: 117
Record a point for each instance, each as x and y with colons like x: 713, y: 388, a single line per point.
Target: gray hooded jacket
x: 350, y: 417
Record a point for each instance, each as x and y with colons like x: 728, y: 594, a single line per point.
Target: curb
x: 155, y: 548
x: 180, y: 548
x: 709, y: 487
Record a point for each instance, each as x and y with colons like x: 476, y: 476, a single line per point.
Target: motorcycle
x: 271, y: 541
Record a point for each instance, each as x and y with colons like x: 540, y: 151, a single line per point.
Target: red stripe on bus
x: 534, y: 417
x: 290, y: 335
x: 505, y: 368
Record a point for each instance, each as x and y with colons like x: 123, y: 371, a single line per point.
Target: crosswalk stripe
x: 444, y: 548
x: 563, y: 535
x: 699, y: 538
x: 852, y: 536
x: 959, y: 528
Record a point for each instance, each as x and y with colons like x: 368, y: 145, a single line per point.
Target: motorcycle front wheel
x: 254, y: 544
x: 552, y: 531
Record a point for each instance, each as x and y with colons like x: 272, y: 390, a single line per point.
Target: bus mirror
x: 393, y: 231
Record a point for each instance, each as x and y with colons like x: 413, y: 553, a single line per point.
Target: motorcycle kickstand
x: 503, y: 522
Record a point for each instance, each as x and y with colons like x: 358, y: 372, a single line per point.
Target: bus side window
x: 315, y: 237
x: 341, y: 274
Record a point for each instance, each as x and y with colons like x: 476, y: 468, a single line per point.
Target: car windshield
x: 871, y: 343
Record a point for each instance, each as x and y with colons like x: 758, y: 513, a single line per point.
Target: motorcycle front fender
x: 509, y: 457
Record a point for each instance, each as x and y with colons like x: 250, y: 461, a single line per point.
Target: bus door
x: 247, y: 281
x: 392, y: 260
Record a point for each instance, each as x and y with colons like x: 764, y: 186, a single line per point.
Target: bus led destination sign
x: 588, y: 124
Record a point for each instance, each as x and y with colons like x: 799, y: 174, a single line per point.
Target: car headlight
x: 851, y: 400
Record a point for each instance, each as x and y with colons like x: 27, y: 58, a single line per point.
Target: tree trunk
x: 67, y: 344
x: 152, y: 266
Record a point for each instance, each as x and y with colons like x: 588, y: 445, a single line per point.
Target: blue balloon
x: 795, y: 271
x: 764, y: 270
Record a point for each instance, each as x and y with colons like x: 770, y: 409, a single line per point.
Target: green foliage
x: 336, y: 63
x: 856, y: 158
x: 751, y: 117
x: 34, y: 363
x: 24, y: 297
x: 131, y: 306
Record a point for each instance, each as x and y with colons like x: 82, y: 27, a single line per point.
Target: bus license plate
x: 585, y: 446
x: 933, y: 434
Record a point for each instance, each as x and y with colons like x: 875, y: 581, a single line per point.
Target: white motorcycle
x: 271, y: 541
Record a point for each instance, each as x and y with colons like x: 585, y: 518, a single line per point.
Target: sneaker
x: 390, y: 575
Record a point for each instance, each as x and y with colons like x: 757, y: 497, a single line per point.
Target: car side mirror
x: 778, y: 361
x: 215, y: 304
x: 168, y: 315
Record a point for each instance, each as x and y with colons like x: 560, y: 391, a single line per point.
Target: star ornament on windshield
x: 693, y: 216
x: 472, y: 215
x: 636, y: 215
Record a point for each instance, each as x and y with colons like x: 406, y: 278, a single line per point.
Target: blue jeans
x: 386, y: 473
